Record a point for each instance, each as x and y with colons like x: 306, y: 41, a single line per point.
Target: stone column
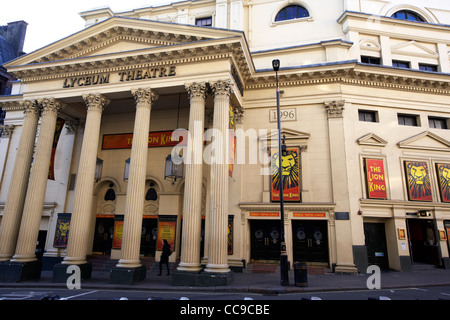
x: 134, y: 205
x: 339, y: 177
x: 218, y: 213
x: 34, y: 201
x: 81, y: 213
x: 12, y: 215
x: 192, y: 206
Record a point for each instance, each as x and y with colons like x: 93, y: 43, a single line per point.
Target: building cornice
x: 355, y: 74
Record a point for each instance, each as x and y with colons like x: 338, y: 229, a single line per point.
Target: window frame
x: 204, y: 19
x: 408, y: 63
x: 443, y: 121
x: 371, y: 61
x: 425, y: 66
x: 367, y: 112
x: 417, y: 17
x: 297, y: 18
x: 408, y: 116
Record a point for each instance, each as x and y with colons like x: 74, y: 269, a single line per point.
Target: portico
x: 87, y: 87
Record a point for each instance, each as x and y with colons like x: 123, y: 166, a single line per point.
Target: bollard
x: 300, y: 275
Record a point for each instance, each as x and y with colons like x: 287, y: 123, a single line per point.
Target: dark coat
x: 166, y: 252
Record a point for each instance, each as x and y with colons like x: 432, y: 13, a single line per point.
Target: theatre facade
x: 134, y: 130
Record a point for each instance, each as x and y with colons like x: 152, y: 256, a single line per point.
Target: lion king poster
x: 443, y: 173
x: 290, y: 173
x: 62, y: 230
x: 418, y: 181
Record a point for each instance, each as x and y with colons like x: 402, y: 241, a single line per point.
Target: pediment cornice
x: 162, y: 55
x: 89, y: 47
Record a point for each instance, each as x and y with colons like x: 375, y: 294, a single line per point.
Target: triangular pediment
x: 413, y: 48
x: 426, y: 141
x: 372, y: 139
x: 121, y: 42
x: 120, y: 34
x: 291, y: 136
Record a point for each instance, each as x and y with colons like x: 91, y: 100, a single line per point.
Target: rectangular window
x: 204, y: 22
x: 401, y: 64
x: 370, y: 60
x: 428, y: 67
x: 367, y: 116
x: 437, y: 123
x: 407, y: 120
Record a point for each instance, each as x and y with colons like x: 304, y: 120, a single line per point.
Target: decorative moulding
x: 426, y: 141
x: 372, y: 139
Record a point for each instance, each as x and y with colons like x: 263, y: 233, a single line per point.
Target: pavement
x: 261, y: 283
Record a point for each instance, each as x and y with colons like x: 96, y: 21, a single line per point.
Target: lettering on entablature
x: 124, y: 76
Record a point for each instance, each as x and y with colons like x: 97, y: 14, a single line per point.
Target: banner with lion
x: 418, y: 181
x: 290, y: 173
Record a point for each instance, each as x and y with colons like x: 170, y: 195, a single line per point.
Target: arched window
x: 110, y: 195
x: 408, y: 15
x: 291, y: 12
x: 152, y: 194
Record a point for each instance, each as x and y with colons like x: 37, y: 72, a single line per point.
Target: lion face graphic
x: 444, y: 181
x: 418, y: 181
x: 63, y: 228
x: 418, y: 173
x: 290, y: 170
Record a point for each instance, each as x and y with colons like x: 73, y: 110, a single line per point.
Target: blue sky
x: 51, y: 20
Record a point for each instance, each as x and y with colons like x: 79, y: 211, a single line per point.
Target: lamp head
x: 276, y: 64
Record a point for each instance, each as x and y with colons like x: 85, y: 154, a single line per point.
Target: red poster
x: 290, y: 173
x: 376, y: 179
x: 166, y: 230
x: 118, y: 232
x: 155, y: 139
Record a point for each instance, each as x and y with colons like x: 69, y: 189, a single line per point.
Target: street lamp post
x: 283, y: 255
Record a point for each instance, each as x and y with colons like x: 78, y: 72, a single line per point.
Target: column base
x: 60, y: 274
x: 446, y: 263
x: 201, y: 279
x: 48, y: 263
x: 119, y: 275
x: 20, y: 271
x: 346, y: 269
x: 405, y: 264
x: 190, y: 268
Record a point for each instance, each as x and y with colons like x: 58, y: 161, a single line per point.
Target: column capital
x: 6, y: 130
x: 50, y: 105
x: 71, y: 126
x: 196, y: 90
x: 238, y: 114
x: 144, y: 95
x: 334, y: 108
x: 95, y: 101
x: 30, y: 107
x: 221, y: 88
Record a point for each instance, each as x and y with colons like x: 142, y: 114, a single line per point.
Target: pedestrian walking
x: 166, y: 252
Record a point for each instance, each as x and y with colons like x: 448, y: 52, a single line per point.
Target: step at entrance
x: 104, y: 263
x: 260, y: 267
